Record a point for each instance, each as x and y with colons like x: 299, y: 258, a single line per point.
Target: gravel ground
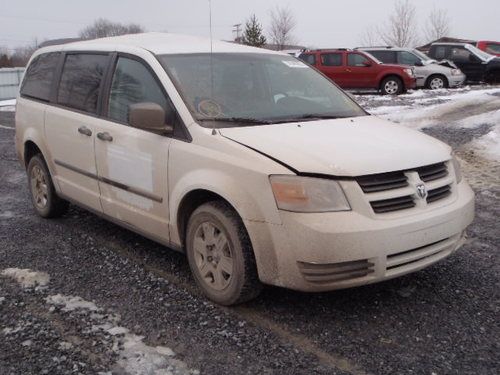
x: 118, y: 303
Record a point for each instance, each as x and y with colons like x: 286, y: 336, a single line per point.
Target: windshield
x: 250, y: 88
x: 423, y: 56
x: 481, y: 54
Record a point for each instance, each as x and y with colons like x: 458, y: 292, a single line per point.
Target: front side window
x: 308, y: 58
x: 38, y: 79
x: 331, y: 59
x: 355, y: 59
x: 133, y: 83
x: 81, y: 81
x: 493, y: 48
x: 460, y: 54
x: 254, y: 86
x: 407, y: 58
x: 440, y: 52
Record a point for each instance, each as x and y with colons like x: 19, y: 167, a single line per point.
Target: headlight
x: 410, y: 72
x: 456, y: 72
x: 456, y: 168
x: 308, y: 194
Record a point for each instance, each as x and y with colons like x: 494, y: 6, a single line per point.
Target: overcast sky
x: 320, y: 23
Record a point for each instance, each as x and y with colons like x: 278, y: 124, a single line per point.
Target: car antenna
x: 211, y: 60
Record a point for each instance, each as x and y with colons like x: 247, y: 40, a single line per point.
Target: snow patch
x: 489, y: 144
x: 8, y: 105
x: 27, y: 278
x: 71, y: 303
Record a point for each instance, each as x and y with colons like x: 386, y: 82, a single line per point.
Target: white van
x: 255, y: 165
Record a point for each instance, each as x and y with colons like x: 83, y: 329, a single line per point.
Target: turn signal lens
x: 308, y: 194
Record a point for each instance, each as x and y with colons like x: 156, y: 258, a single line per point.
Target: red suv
x: 358, y: 70
x: 493, y: 48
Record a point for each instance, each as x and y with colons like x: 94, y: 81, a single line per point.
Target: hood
x: 343, y: 147
x: 446, y: 63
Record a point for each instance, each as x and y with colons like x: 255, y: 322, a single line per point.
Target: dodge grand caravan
x: 251, y: 162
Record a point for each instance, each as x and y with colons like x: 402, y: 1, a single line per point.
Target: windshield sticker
x: 294, y: 64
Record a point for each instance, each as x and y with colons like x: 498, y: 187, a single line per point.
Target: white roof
x: 161, y: 43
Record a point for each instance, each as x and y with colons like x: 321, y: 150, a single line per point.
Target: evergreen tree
x: 253, y: 36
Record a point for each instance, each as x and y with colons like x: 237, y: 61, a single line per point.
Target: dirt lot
x: 102, y: 299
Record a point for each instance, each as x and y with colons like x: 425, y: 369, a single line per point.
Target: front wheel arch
x: 393, y: 76
x: 433, y: 76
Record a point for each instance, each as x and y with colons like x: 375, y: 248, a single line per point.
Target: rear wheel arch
x: 31, y: 149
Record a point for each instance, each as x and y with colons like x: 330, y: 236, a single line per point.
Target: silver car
x: 430, y: 73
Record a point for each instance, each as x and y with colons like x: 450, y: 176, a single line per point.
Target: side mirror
x: 148, y: 116
x: 419, y: 63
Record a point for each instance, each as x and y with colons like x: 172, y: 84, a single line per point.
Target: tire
x: 45, y: 200
x: 392, y: 86
x: 436, y: 82
x: 220, y: 254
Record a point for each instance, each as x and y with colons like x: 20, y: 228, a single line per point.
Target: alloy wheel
x: 39, y: 187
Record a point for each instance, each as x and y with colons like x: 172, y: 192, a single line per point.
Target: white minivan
x: 254, y: 164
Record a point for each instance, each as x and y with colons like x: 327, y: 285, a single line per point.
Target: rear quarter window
x: 81, y: 81
x: 38, y: 79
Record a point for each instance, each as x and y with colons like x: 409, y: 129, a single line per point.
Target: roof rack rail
x: 386, y: 47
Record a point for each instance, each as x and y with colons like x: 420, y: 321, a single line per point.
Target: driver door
x: 132, y: 162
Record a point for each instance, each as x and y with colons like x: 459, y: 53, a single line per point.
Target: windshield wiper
x: 309, y: 117
x: 243, y: 120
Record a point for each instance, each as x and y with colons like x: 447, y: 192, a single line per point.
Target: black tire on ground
x: 436, y: 81
x: 216, y: 237
x: 392, y: 86
x: 40, y: 184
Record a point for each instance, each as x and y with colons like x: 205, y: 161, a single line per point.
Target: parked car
x: 430, y: 73
x: 249, y: 161
x: 478, y: 66
x: 493, y: 48
x: 356, y: 70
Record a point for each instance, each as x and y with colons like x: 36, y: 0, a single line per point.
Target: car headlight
x: 308, y: 194
x: 410, y: 72
x: 456, y: 72
x: 456, y: 168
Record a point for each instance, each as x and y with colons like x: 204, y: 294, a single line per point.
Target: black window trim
x: 107, y: 89
x: 104, y: 87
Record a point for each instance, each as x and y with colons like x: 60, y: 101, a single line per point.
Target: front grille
x: 433, y: 172
x: 419, y: 256
x: 382, y: 182
x: 326, y: 273
x: 438, y: 194
x: 394, y: 204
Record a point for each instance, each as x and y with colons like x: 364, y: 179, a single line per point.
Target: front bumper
x: 321, y: 252
x: 456, y: 81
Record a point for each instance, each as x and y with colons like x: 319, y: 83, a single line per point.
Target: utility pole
x: 237, y: 31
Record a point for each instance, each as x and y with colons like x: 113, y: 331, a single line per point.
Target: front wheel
x: 392, y: 86
x: 220, y: 254
x: 43, y: 194
x: 437, y: 82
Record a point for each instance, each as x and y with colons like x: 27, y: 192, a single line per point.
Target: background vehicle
x: 493, y: 48
x: 352, y: 69
x: 430, y: 73
x: 477, y: 65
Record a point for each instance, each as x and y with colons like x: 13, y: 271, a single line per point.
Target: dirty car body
x: 323, y: 195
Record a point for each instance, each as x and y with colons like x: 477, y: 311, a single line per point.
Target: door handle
x: 85, y: 131
x: 105, y: 137
x: 348, y: 70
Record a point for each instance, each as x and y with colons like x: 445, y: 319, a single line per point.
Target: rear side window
x: 81, y: 81
x: 331, y: 59
x: 308, y: 58
x: 355, y: 59
x: 387, y: 57
x: 39, y: 76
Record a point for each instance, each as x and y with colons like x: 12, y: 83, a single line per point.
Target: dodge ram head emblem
x: 421, y: 191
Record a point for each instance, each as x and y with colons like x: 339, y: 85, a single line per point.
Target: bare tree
x: 370, y: 37
x: 437, y: 25
x: 102, y: 28
x: 21, y: 55
x: 282, y: 25
x: 401, y: 30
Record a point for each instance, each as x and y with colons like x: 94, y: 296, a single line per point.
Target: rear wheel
x: 220, y: 254
x: 436, y: 82
x: 392, y: 86
x: 43, y: 194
